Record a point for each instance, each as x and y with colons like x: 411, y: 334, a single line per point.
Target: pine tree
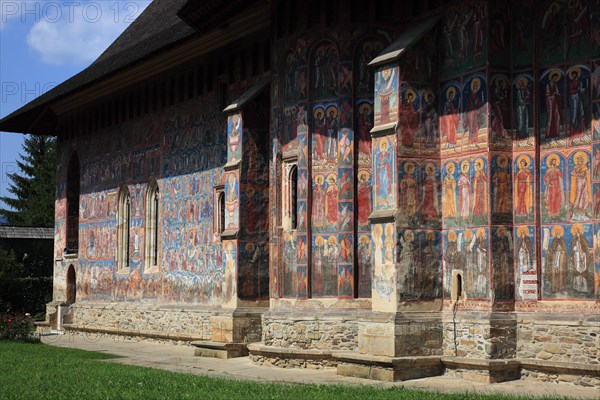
x: 33, y: 186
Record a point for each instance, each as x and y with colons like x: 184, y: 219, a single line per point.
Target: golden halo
x: 574, y: 68
x: 429, y: 235
x: 363, y: 239
x: 286, y: 237
x: 389, y: 229
x: 452, y: 236
x: 558, y: 230
x: 229, y: 246
x: 523, y: 230
x: 452, y: 90
x: 429, y: 168
x: 427, y: 93
x: 319, y: 240
x: 331, y: 177
x: 465, y: 163
x: 475, y: 82
x: 502, y: 160
x: 481, y: 233
x: 582, y: 155
x: 319, y: 179
x: 501, y: 231
x: 468, y: 234
x: 331, y: 109
x: 383, y: 144
x: 502, y: 78
x: 553, y: 72
x: 554, y: 157
x: 332, y: 239
x: 480, y: 162
x: 249, y: 247
x: 576, y: 228
x: 408, y: 165
x: 363, y: 175
x: 408, y: 233
x: 450, y: 168
x: 522, y: 81
x: 364, y: 107
x: 521, y: 159
x: 377, y: 230
x: 410, y: 91
x: 317, y: 111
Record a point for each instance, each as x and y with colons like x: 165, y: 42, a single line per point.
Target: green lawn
x: 37, y: 371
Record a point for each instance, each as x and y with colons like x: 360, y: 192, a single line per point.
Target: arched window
x: 151, y: 235
x: 71, y: 285
x: 221, y: 212
x: 294, y: 197
x: 73, y: 205
x: 123, y: 225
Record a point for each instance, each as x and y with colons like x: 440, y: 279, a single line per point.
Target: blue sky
x: 45, y: 42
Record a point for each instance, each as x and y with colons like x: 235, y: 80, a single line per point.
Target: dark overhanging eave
x: 395, y: 50
x: 248, y: 95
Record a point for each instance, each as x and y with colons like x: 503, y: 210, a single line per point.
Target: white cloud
x: 80, y: 31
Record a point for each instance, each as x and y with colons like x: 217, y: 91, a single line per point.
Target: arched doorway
x: 71, y: 285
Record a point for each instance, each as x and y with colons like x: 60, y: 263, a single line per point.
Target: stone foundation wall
x: 480, y: 335
x: 571, y: 340
x: 561, y: 377
x: 310, y: 332
x: 283, y: 362
x: 143, y: 320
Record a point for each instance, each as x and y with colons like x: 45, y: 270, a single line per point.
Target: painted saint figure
x: 384, y: 173
x: 524, y: 253
x: 522, y: 106
x: 576, y: 101
x: 408, y: 191
x: 557, y: 261
x: 409, y: 120
x: 450, y: 119
x: 554, y: 194
x: 430, y: 120
x: 581, y: 188
x: 581, y: 259
x: 464, y: 192
x: 523, y: 188
x: 501, y: 181
x: 429, y: 205
x: 449, y: 190
x: 318, y: 202
x: 385, y: 91
x: 474, y: 104
x: 364, y: 198
x: 553, y: 105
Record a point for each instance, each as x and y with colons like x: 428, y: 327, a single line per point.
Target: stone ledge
x: 220, y: 350
x: 146, y: 335
x: 286, y: 352
x: 486, y: 371
x: 387, y: 369
x: 384, y: 361
x: 561, y: 367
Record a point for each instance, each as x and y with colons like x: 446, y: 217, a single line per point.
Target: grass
x: 38, y: 371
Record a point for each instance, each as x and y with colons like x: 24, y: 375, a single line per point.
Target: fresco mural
x: 464, y: 29
x: 386, y: 101
x: 503, y: 276
x: 450, y: 117
x: 474, y: 112
x: 419, y: 266
x: 500, y: 104
x: 523, y: 117
x: 524, y: 188
x: 501, y: 189
x: 567, y: 261
x: 526, y: 264
x: 234, y: 138
x: 467, y: 251
x: 385, y: 178
x: 466, y: 192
